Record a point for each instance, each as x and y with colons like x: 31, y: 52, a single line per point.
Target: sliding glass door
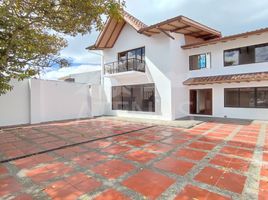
x: 134, y: 98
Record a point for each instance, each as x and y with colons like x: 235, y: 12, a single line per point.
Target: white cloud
x: 56, y: 74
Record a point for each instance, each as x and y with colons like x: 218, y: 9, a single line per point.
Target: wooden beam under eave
x: 167, y: 34
x: 180, y: 28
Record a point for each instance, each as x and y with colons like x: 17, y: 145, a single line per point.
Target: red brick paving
x: 194, y: 193
x: 190, y: 154
x: 111, y: 195
x: 263, y: 191
x: 201, y: 145
x: 237, y: 152
x: 229, y: 162
x: 173, y: 165
x: 157, y: 152
x: 148, y: 184
x: 222, y: 179
x: 113, y: 169
x: 9, y: 185
x: 88, y: 159
x: 48, y: 171
x: 140, y: 156
x: 116, y: 149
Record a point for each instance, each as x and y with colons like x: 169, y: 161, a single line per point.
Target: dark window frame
x: 239, y: 49
x: 130, y: 105
x: 192, y: 69
x: 239, y: 106
x: 127, y: 51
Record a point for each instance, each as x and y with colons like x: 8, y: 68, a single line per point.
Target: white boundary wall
x: 36, y: 101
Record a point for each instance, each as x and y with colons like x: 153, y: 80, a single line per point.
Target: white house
x: 180, y: 67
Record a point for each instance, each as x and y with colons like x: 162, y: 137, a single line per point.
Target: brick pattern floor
x: 210, y: 161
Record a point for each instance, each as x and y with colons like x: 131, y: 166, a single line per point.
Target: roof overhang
x: 112, y: 30
x: 225, y: 39
x: 182, y: 25
x: 233, y: 78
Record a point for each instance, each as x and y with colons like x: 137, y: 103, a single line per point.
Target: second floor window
x: 138, y: 54
x: 200, y: 61
x: 246, y: 55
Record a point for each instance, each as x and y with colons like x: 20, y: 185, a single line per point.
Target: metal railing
x: 132, y: 64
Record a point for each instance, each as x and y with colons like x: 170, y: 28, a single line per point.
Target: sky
x: 228, y: 16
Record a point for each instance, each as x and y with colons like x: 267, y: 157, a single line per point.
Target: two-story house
x: 179, y: 68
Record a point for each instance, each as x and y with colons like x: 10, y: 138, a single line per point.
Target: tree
x: 31, y: 32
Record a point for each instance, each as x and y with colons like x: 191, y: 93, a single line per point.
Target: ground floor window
x: 253, y: 97
x: 201, y: 102
x: 134, y: 98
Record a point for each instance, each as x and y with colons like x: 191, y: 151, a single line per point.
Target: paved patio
x: 112, y: 159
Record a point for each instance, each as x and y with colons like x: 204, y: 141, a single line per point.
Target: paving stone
x: 111, y: 195
x: 148, y: 184
x: 194, y: 193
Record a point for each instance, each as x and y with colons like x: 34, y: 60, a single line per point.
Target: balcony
x: 129, y: 65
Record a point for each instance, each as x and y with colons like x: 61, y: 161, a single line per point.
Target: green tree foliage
x: 31, y: 32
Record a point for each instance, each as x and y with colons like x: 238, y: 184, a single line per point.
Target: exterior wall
x: 241, y: 113
x: 158, y: 60
x: 36, y: 101
x: 54, y: 100
x: 92, y: 78
x: 15, y: 105
x: 168, y: 67
x: 217, y: 62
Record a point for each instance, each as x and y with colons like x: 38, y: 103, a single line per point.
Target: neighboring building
x: 180, y: 67
x: 91, y: 78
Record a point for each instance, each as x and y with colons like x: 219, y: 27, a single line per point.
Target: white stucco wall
x: 54, y: 100
x: 36, y: 101
x: 241, y: 113
x: 15, y: 105
x: 217, y: 62
x: 92, y: 78
x: 168, y: 67
x: 158, y: 71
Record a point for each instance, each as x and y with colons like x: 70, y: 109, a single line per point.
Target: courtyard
x: 114, y: 159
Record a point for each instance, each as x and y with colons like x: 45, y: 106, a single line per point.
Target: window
x: 262, y: 97
x: 138, y: 53
x: 231, y: 57
x: 134, y: 98
x: 261, y: 53
x: 231, y: 97
x: 246, y: 97
x: 199, y: 61
x: 246, y: 55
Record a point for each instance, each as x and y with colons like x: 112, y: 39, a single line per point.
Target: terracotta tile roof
x: 133, y: 21
x: 226, y: 38
x: 233, y: 78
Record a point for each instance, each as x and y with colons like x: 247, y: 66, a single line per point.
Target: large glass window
x: 232, y: 97
x: 134, y: 98
x: 246, y: 55
x: 231, y: 57
x: 138, y: 53
x: 246, y: 97
x: 261, y: 53
x: 262, y: 97
x: 199, y: 61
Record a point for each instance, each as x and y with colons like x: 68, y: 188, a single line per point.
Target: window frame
x: 206, y: 56
x: 127, y: 51
x: 239, y: 106
x: 130, y: 106
x: 239, y: 50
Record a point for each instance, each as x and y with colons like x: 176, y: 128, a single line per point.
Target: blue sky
x: 227, y: 16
